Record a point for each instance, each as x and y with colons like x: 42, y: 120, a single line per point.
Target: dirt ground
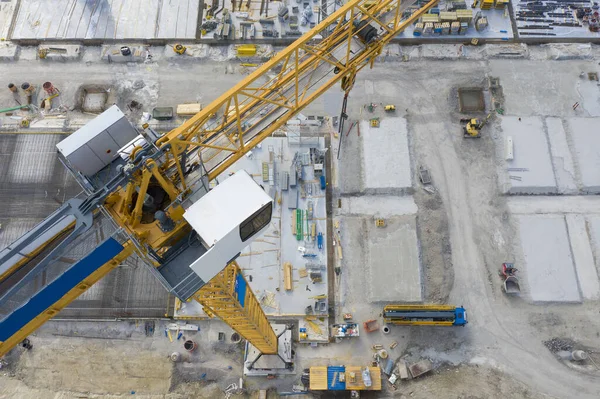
x: 117, y: 358
x: 436, y: 255
x: 463, y: 382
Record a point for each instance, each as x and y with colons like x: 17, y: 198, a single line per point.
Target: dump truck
x: 425, y: 315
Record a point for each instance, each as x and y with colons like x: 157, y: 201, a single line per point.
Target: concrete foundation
x: 586, y: 141
x: 532, y: 154
x: 192, y: 52
x: 549, y: 265
x: 583, y: 256
x: 386, y: 159
x: 562, y: 160
x: 441, y: 51
x: 378, y: 206
x: 61, y: 52
x: 393, y: 268
x: 118, y: 19
x: 256, y: 364
x: 8, y: 52
x: 594, y: 230
x: 113, y: 54
x: 507, y: 50
x: 471, y: 99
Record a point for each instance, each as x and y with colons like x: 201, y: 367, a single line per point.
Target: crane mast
x: 182, y: 163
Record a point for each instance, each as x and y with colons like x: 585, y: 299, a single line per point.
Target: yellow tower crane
x: 177, y: 168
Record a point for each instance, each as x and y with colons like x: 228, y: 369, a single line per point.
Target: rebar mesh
x: 129, y: 291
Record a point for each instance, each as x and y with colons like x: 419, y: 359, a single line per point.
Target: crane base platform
x: 260, y: 365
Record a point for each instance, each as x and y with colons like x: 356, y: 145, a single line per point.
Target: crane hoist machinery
x: 154, y: 196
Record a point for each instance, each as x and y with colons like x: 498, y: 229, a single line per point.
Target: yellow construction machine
x: 179, y: 49
x: 472, y: 126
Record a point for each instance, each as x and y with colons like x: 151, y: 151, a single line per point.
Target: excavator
x: 472, y: 126
x: 165, y: 198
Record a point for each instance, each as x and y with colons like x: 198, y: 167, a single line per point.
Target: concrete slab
x: 66, y: 52
x: 586, y: 145
x: 569, y: 51
x: 8, y: 51
x: 548, y: 264
x: 177, y: 19
x: 391, y: 52
x: 562, y: 161
x: 379, y: 206
x: 192, y: 52
x: 508, y: 50
x: 394, y: 266
x: 583, y: 256
x: 441, y: 51
x: 594, y: 229
x: 7, y: 10
x: 473, y: 52
x: 408, y: 53
x: 386, y: 158
x: 49, y: 124
x: 585, y: 204
x: 118, y: 19
x: 112, y: 53
x: 587, y: 90
x: 531, y: 154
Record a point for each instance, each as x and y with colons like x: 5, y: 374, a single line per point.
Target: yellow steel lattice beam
x: 222, y: 298
x: 252, y: 111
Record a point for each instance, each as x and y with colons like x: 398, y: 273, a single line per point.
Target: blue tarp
x: 336, y: 371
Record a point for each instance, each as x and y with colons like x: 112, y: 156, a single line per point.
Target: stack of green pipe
x: 299, y: 225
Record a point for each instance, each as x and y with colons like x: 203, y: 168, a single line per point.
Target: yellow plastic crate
x: 487, y: 4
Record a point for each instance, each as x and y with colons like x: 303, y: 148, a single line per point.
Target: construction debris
x: 420, y: 368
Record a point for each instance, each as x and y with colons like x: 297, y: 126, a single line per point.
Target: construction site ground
x: 466, y: 228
